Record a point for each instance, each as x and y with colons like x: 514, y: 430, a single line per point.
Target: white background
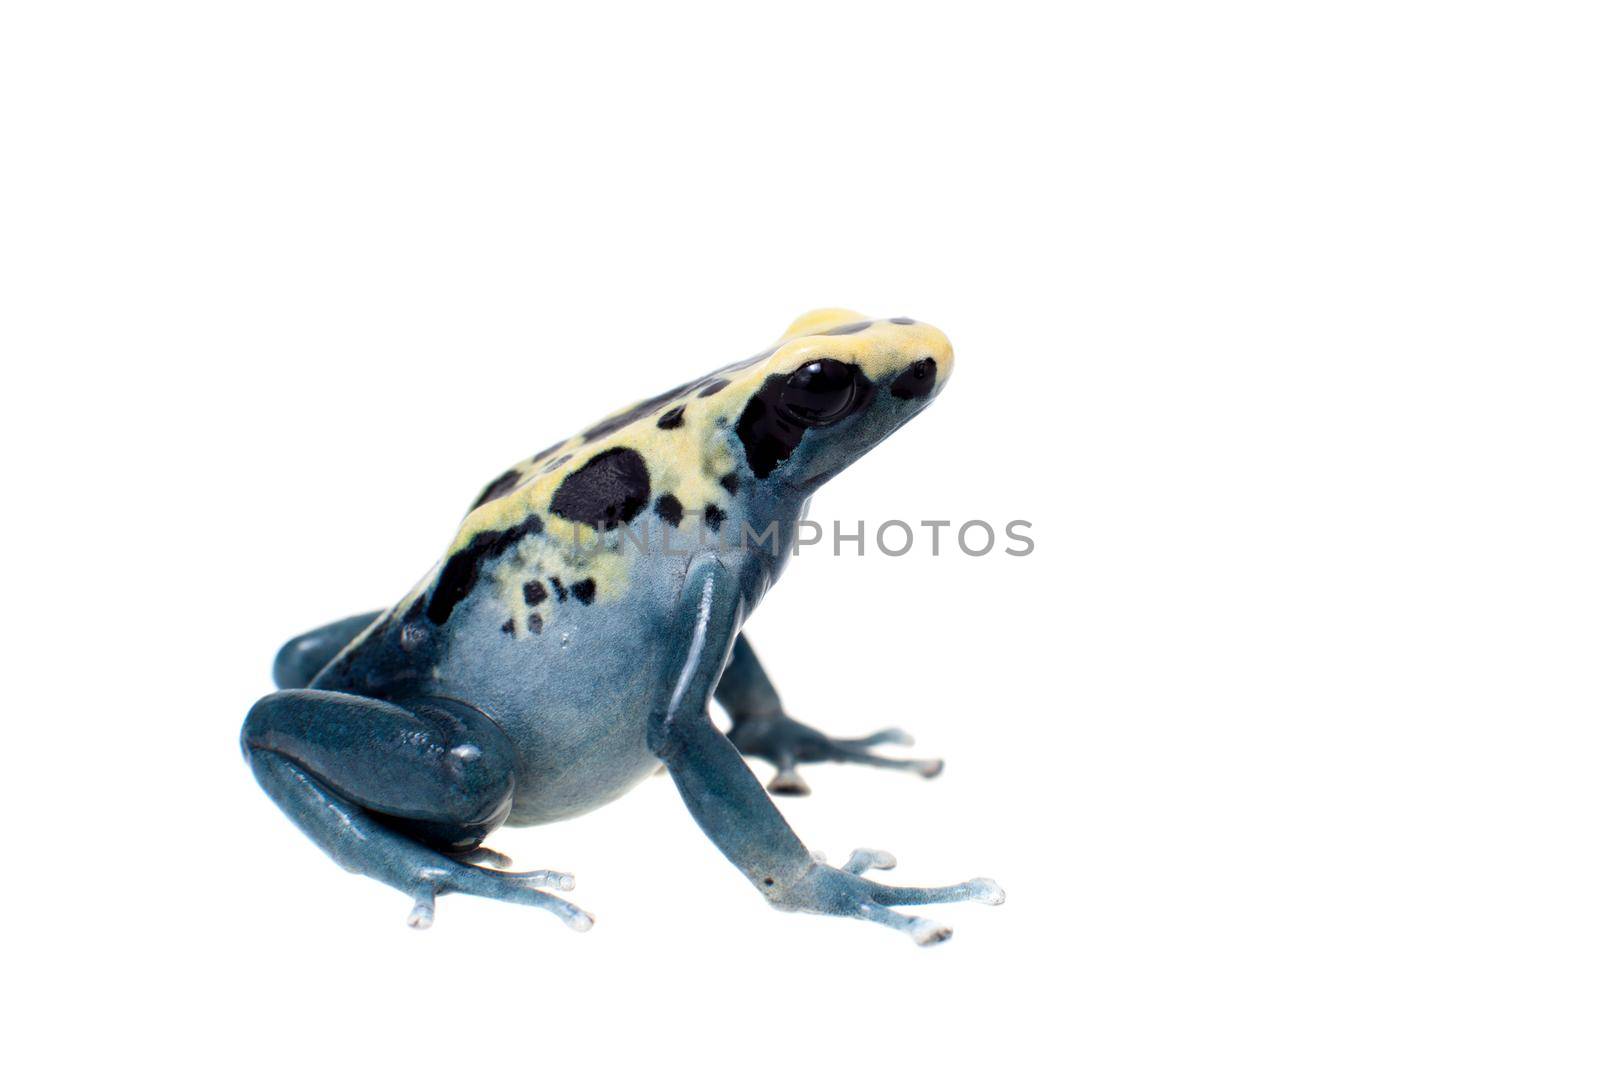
x: 1277, y: 321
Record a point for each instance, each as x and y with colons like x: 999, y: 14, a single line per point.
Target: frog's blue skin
x: 399, y: 740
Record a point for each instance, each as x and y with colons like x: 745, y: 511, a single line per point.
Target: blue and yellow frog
x: 570, y: 640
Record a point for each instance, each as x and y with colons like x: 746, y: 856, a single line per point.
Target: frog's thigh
x: 301, y: 658
x: 438, y: 770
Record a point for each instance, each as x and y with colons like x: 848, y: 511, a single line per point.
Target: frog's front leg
x: 387, y: 789
x: 733, y: 809
x: 761, y: 728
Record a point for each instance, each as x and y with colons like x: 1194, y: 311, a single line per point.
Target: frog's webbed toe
x: 787, y: 743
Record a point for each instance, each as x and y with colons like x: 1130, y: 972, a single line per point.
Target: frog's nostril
x: 916, y: 380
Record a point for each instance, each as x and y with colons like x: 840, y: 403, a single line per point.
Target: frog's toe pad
x: 987, y: 891
x: 788, y: 783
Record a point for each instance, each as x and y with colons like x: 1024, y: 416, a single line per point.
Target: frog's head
x: 835, y: 386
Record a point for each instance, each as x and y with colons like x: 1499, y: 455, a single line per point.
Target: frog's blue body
x: 570, y: 640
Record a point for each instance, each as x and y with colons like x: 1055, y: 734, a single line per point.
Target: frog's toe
x: 515, y: 887
x: 880, y: 899
x: 866, y: 859
x: 892, y: 736
x: 421, y: 916
x: 857, y: 753
x: 859, y: 750
x: 979, y: 890
x: 538, y: 879
x: 488, y: 857
x: 923, y: 931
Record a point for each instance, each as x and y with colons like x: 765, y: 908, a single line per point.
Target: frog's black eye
x: 820, y: 391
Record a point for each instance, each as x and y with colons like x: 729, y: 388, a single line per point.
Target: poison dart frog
x: 569, y: 643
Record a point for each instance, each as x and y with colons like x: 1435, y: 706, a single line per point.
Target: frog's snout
x: 929, y: 362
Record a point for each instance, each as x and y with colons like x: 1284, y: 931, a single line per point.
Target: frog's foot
x: 519, y: 887
x: 842, y: 891
x: 786, y: 743
x: 363, y: 845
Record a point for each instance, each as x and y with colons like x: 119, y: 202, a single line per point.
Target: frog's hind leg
x: 299, y: 660
x: 395, y: 792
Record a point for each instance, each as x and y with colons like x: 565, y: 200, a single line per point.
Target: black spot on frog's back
x: 631, y: 415
x: 498, y: 488
x: 609, y: 490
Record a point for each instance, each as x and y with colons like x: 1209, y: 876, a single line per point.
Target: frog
x: 571, y: 639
